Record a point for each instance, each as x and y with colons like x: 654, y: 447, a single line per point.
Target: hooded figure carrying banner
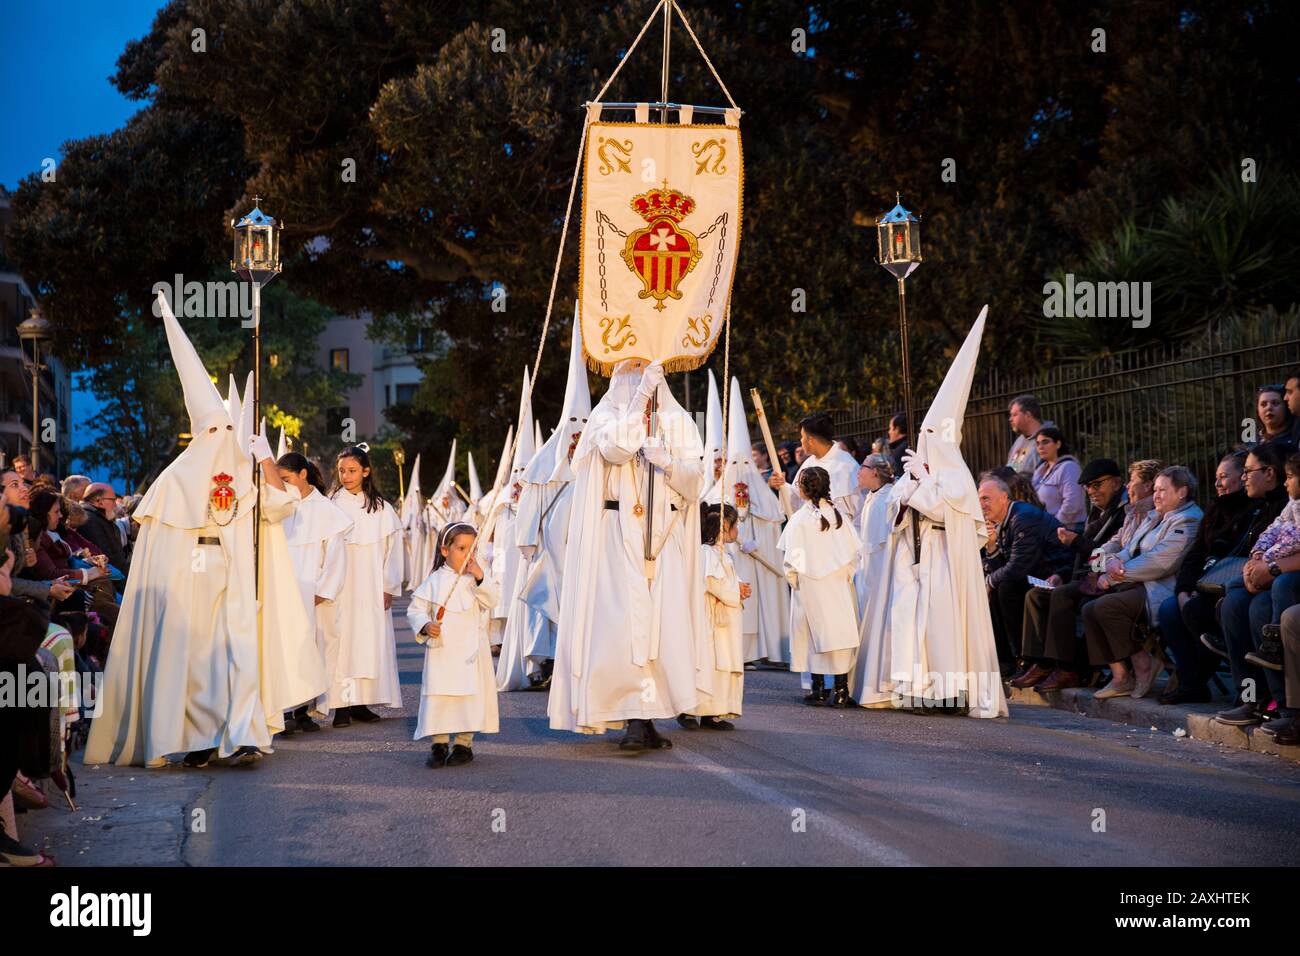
x: 942, y: 652
x: 632, y: 631
x: 541, y: 531
x: 192, y: 672
x: 766, y: 615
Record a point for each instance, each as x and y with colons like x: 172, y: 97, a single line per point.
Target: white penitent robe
x: 823, y: 607
x: 529, y: 636
x: 631, y: 646
x: 767, y: 612
x: 316, y: 534
x: 366, y: 668
x: 725, y: 649
x: 293, y: 665
x: 184, y: 671
x: 870, y: 683
x: 843, y: 470
x: 458, y: 691
x: 941, y: 635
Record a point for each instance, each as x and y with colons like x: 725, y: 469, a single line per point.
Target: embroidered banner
x: 661, y: 207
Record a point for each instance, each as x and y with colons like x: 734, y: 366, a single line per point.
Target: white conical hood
x: 741, y: 469
x: 714, y: 434
x: 281, y: 445
x: 234, y: 404
x: 179, y: 496
x: 551, y: 463
x: 411, y: 504
x: 527, y: 435
x: 475, y: 489
x: 445, y: 488
x: 244, y: 426
x: 496, y: 496
x: 939, y: 441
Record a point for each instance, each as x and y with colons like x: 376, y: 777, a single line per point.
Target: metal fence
x: 1186, y: 404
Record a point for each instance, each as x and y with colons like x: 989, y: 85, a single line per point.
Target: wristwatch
x: 1273, y: 569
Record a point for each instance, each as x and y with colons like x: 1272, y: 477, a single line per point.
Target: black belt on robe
x: 209, y: 540
x: 613, y: 506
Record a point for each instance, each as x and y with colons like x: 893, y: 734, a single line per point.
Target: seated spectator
x: 101, y: 528
x: 1138, y: 578
x: 896, y: 437
x: 1286, y: 729
x: 17, y: 489
x: 24, y: 731
x: 1248, y: 498
x: 1022, y: 489
x: 53, y: 554
x: 1026, y: 418
x: 1275, y: 422
x: 1272, y: 584
x: 1056, y: 479
x: 1026, y: 544
x: 74, y: 486
x: 1052, y: 656
x: 1291, y: 395
x: 13, y: 538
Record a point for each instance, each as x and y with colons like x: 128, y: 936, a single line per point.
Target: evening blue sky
x: 54, y: 86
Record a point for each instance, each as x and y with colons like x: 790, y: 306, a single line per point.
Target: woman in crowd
x: 1139, y: 576
x: 1056, y: 479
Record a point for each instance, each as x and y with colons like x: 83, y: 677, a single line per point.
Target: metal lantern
x: 257, y: 246
x: 898, y: 237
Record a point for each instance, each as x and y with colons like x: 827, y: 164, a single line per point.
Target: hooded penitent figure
x: 941, y: 636
x: 715, y: 440
x: 475, y: 492
x: 186, y: 674
x: 541, y: 530
x: 445, y: 506
x: 487, y: 546
x: 766, y: 615
x: 505, y: 554
x: 869, y: 682
x: 633, y: 639
x: 414, y: 529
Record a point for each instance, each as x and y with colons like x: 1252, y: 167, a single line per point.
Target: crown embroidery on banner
x: 665, y: 202
x: 661, y: 254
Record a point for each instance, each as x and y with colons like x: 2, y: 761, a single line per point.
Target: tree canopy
x: 1026, y: 134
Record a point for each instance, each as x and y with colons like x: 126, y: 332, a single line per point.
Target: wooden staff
x: 772, y: 458
x: 650, y: 471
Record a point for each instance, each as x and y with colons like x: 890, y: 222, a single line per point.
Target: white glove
x: 913, y: 466
x: 260, y: 448
x: 656, y: 453
x: 748, y: 547
x: 651, y: 379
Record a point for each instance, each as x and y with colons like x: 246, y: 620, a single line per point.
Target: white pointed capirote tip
x: 949, y: 405
x: 475, y: 489
x: 738, y: 443
x: 714, y: 430
x: 526, y: 445
x: 203, y: 402
x: 281, y: 445
x: 244, y: 424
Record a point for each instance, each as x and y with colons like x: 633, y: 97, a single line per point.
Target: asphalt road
x: 791, y: 785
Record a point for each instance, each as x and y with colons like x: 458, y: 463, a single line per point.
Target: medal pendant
x: 638, y: 510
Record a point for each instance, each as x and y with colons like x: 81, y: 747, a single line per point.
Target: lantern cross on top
x: 898, y: 238
x: 257, y: 245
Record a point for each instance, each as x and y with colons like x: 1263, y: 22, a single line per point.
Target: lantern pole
x: 901, y: 263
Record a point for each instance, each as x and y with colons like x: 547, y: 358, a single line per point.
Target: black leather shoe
x: 364, y: 714
x: 342, y: 717
x: 245, y: 757
x: 1288, y: 736
x: 654, y: 740
x: 716, y: 723
x: 633, y: 737
x: 1269, y: 652
x: 1244, y: 715
x: 1215, y: 643
x: 1276, y: 726
x: 459, y: 754
x: 1186, y: 695
x: 198, y: 759
x: 290, y: 726
x: 305, y: 724
x: 438, y: 756
x: 688, y: 722
x: 819, y: 694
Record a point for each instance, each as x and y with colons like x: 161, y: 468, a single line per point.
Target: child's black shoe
x: 438, y: 757
x: 459, y: 755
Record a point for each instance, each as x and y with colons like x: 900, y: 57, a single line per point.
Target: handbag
x: 1219, y: 575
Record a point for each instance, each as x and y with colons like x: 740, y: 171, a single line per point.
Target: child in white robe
x: 724, y: 651
x: 821, y: 554
x: 365, y: 669
x: 449, y: 614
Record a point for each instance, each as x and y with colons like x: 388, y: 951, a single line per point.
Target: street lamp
x: 898, y: 240
x: 36, y: 329
x: 256, y: 259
